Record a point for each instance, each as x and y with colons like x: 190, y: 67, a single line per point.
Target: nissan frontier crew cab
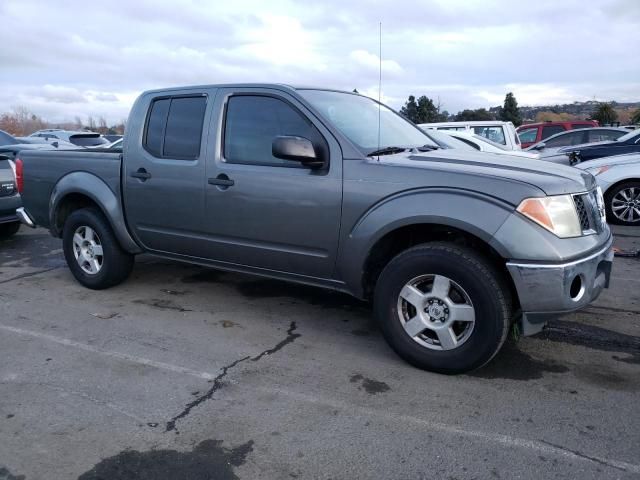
x: 332, y: 189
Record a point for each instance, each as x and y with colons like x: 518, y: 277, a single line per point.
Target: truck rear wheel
x: 92, y: 251
x: 443, y: 307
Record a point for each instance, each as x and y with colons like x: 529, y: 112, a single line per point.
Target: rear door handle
x: 142, y: 174
x: 221, y: 181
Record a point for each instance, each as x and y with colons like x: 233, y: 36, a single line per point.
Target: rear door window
x: 174, y: 127
x: 581, y: 125
x: 495, y: 134
x: 155, y: 126
x: 604, y: 135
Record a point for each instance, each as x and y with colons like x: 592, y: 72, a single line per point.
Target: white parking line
x: 107, y: 353
x: 495, y: 438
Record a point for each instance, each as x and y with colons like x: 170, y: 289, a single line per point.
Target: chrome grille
x: 587, y: 208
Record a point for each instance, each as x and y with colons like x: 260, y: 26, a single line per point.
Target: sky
x: 78, y: 58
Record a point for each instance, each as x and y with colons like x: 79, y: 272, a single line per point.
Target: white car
x: 503, y: 133
x: 485, y: 145
x: 618, y: 177
x: 80, y: 139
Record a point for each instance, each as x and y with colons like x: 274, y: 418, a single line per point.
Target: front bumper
x: 548, y: 290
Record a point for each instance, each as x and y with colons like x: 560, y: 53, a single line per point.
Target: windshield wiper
x: 386, y: 151
x: 428, y: 148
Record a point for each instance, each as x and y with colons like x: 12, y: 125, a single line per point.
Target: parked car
x: 485, y: 145
x: 299, y: 184
x: 549, y: 148
x: 80, y: 139
x: 503, y: 133
x: 628, y: 143
x: 537, y: 132
x: 10, y: 145
x: 619, y: 179
x: 9, y: 199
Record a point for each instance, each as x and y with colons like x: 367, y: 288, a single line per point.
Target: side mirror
x: 296, y: 149
x: 540, y: 146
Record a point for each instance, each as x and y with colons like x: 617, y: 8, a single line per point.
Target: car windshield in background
x: 88, y: 140
x: 356, y: 117
x: 6, y: 139
x: 447, y: 141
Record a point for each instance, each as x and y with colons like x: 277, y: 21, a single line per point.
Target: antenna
x: 379, y: 83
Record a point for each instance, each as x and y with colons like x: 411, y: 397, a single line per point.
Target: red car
x: 536, y: 132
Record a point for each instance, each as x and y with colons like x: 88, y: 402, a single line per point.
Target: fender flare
x: 472, y: 212
x: 96, y: 189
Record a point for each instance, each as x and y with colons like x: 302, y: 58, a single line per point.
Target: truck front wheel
x: 443, y: 307
x: 92, y: 251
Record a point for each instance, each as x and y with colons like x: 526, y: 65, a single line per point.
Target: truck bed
x: 44, y: 168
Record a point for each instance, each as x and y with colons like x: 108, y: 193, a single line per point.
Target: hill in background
x: 571, y: 111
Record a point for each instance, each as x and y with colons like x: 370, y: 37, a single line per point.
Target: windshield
x: 630, y: 135
x: 6, y: 139
x: 357, y: 118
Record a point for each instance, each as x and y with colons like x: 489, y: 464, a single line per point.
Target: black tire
x: 8, y: 230
x: 608, y: 200
x: 485, y: 287
x: 116, y: 263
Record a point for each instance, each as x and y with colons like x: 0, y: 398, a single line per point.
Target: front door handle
x: 142, y: 174
x: 221, y: 181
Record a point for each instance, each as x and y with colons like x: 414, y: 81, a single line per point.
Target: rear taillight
x: 19, y: 175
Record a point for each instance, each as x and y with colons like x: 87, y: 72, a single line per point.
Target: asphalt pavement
x: 189, y: 373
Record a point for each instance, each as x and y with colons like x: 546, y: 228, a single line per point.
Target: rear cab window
x: 174, y: 127
x: 494, y: 133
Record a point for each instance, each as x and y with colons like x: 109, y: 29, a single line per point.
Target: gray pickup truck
x: 335, y: 190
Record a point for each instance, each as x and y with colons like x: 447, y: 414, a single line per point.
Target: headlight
x: 557, y: 214
x: 598, y: 170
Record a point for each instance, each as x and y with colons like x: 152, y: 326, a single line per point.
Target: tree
x: 604, y: 114
x: 474, y: 115
x: 427, y: 110
x: 410, y: 109
x: 635, y: 118
x: 510, y: 111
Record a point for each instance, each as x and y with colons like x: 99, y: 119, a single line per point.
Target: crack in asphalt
x: 289, y: 339
x: 217, y: 381
x: 26, y: 275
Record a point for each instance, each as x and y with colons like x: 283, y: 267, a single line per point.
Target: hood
x: 626, y: 159
x: 551, y: 178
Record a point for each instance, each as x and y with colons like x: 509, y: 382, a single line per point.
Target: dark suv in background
x: 536, y: 132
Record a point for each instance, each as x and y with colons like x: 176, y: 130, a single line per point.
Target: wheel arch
x: 407, y: 236
x: 81, y: 190
x: 418, y: 216
x: 620, y: 182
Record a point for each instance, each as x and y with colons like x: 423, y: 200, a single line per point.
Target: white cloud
x: 66, y: 63
x: 372, y: 61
